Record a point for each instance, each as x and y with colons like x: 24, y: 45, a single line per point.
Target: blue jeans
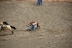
x: 31, y: 28
x: 39, y: 2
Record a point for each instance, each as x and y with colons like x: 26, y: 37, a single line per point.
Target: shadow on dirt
x: 5, y: 34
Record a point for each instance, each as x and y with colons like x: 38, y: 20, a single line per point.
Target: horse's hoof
x: 12, y: 32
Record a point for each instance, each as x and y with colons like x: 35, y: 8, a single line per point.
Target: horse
x: 6, y: 26
x: 33, y: 25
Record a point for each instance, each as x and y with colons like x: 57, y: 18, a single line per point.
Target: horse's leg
x: 0, y: 29
x: 9, y: 28
x: 12, y: 32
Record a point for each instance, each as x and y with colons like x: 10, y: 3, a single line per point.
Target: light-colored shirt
x: 35, y: 24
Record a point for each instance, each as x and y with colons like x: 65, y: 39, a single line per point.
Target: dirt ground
x: 55, y: 19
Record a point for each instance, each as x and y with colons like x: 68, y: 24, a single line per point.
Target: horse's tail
x: 13, y: 27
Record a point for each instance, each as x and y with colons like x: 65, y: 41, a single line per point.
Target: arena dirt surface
x: 55, y: 19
